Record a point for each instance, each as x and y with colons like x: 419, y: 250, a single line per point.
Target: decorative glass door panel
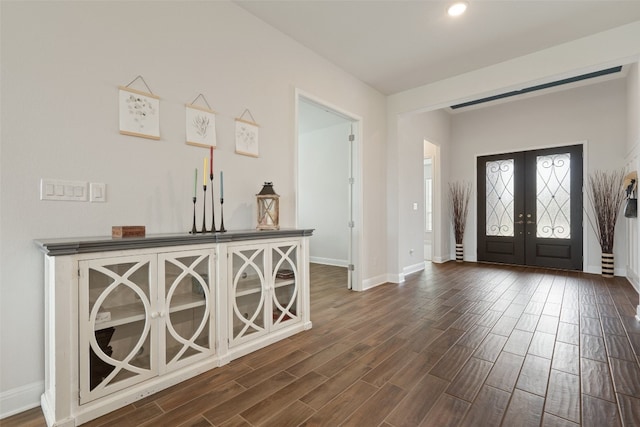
x: 116, y: 302
x: 530, y: 208
x: 500, y: 197
x: 553, y: 190
x: 284, y: 300
x: 187, y: 307
x: 248, y: 308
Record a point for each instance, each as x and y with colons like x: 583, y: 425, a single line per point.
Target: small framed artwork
x: 201, y: 126
x: 246, y: 138
x: 139, y: 113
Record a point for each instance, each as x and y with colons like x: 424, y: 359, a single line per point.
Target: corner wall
x: 413, y: 129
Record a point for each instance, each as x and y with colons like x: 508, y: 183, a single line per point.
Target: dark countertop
x: 79, y: 245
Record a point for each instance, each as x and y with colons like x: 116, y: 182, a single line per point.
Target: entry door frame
x: 355, y: 194
x: 586, y: 242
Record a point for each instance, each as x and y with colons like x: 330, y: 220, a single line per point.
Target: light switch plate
x: 98, y: 192
x: 63, y: 190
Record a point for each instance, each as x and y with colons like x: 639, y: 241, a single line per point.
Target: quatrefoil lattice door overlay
x: 142, y: 316
x: 248, y: 293
x: 264, y: 289
x: 188, y: 325
x: 117, y: 334
x: 285, y: 279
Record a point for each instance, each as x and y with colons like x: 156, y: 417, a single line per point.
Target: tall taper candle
x: 213, y: 211
x: 221, y: 185
x: 211, y: 162
x: 204, y: 172
x: 222, y: 229
x: 195, y: 184
x: 193, y: 228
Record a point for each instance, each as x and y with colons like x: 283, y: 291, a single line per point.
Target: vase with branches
x: 459, y: 195
x: 605, y: 194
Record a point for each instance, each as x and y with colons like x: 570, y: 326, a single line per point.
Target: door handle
x: 528, y: 219
x: 520, y: 222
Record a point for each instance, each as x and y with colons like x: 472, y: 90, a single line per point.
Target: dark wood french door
x: 530, y: 208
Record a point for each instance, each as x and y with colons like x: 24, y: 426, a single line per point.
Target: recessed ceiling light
x: 457, y: 8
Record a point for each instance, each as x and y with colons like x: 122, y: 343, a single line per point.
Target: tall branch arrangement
x: 606, y: 196
x: 459, y: 195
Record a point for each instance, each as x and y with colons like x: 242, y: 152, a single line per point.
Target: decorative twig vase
x: 459, y: 252
x: 459, y: 195
x: 607, y: 265
x: 606, y: 196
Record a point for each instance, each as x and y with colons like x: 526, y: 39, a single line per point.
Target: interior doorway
x: 328, y: 196
x: 530, y: 208
x: 430, y: 151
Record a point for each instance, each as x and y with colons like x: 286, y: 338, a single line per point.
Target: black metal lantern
x: 268, y: 208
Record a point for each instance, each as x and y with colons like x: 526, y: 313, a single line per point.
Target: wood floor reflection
x: 455, y: 345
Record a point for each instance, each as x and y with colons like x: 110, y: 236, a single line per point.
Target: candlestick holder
x: 204, y: 208
x: 193, y: 228
x: 213, y: 211
x: 222, y: 230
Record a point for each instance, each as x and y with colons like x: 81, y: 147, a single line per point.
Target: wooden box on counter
x: 128, y: 231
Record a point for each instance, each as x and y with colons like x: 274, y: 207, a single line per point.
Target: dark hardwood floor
x: 456, y: 345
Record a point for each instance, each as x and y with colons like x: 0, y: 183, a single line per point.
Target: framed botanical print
x: 139, y: 113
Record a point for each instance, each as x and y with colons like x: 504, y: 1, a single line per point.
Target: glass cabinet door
x: 285, y: 298
x: 188, y: 307
x: 117, y: 302
x: 247, y: 293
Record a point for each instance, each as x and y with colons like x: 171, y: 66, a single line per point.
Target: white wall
x: 324, y: 192
x: 428, y: 174
x: 633, y: 107
x: 633, y: 163
x: 61, y: 65
x: 413, y: 129
x: 591, y: 53
x: 596, y: 114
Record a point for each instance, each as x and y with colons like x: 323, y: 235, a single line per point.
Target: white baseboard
x: 329, y: 261
x: 413, y: 268
x: 440, y: 260
x: 20, y: 399
x: 395, y: 278
x: 372, y: 282
x: 632, y: 277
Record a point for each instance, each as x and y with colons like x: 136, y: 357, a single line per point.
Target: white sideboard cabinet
x: 126, y: 318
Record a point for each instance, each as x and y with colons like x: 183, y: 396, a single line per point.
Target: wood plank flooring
x: 456, y: 345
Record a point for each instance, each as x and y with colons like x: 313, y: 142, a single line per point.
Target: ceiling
x: 396, y: 45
